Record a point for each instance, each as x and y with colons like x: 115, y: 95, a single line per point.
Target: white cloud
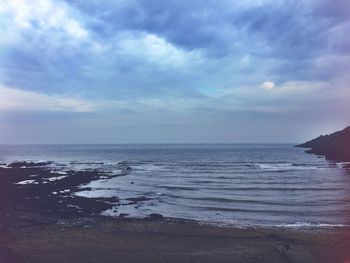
x: 289, y: 87
x: 42, y: 16
x: 305, y: 87
x: 286, y: 97
x: 20, y: 100
x: 268, y: 85
x: 155, y: 49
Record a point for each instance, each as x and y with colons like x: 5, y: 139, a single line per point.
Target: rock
x: 28, y: 164
x: 335, y: 146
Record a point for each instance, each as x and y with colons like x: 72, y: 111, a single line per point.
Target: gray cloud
x: 183, y: 57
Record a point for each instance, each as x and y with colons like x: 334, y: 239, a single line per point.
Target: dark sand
x: 168, y: 240
x: 37, y: 226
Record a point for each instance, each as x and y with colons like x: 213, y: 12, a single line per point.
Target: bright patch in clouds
x: 154, y: 49
x: 20, y: 100
x: 268, y: 85
x: 42, y: 15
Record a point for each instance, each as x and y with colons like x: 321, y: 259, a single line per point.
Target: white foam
x: 59, y: 172
x: 305, y: 224
x: 74, y: 206
x: 343, y: 164
x: 148, y: 167
x: 282, y: 166
x: 27, y: 182
x: 56, y: 178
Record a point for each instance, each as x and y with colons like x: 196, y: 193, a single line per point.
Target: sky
x: 155, y: 71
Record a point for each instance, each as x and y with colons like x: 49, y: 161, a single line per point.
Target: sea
x: 230, y: 184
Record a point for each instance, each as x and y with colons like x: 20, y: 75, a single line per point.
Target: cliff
x: 335, y: 146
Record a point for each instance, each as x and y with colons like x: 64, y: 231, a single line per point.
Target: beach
x: 44, y: 218
x: 43, y: 231
x: 169, y: 240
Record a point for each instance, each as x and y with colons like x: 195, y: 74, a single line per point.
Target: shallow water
x: 245, y: 184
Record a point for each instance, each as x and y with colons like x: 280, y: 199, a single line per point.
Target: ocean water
x: 238, y: 184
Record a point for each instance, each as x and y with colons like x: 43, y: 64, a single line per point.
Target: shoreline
x: 37, y: 192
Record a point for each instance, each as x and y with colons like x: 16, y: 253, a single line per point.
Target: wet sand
x: 169, y: 240
x: 39, y: 226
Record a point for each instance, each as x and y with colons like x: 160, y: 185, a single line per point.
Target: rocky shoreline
x: 31, y: 192
x: 335, y: 146
x: 35, y: 193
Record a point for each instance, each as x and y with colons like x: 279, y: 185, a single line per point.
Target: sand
x: 170, y: 240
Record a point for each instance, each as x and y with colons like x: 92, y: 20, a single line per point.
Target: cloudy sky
x: 146, y: 71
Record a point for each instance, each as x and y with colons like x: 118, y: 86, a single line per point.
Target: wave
x: 253, y: 188
x: 148, y: 167
x: 257, y: 202
x: 265, y: 211
x: 309, y: 225
x: 244, y: 224
x: 80, y: 162
x: 176, y: 187
x: 279, y: 167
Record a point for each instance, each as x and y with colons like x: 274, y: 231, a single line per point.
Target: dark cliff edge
x: 335, y: 146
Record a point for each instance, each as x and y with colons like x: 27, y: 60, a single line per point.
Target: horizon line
x: 146, y: 143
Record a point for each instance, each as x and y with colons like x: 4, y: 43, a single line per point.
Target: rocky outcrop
x: 335, y: 146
